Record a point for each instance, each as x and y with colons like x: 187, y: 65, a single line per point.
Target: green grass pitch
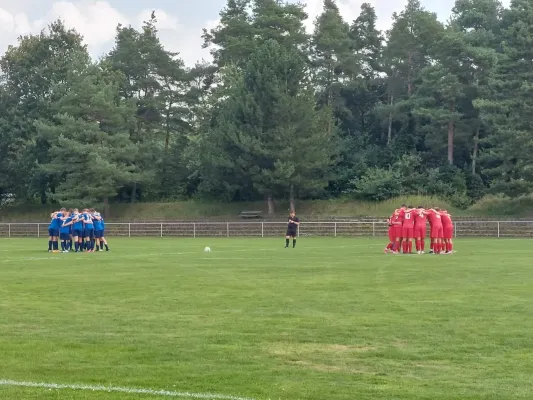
x: 333, y: 319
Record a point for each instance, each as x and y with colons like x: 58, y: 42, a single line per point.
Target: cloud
x: 164, y: 20
x: 95, y: 20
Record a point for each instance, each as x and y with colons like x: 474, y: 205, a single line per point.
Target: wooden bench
x: 250, y: 214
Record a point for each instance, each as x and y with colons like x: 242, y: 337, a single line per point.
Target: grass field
x: 332, y: 319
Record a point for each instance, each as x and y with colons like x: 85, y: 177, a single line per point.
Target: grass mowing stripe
x: 101, y: 388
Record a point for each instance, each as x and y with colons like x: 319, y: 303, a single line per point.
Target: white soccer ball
x: 207, y: 249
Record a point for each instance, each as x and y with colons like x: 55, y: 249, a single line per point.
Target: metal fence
x: 270, y: 229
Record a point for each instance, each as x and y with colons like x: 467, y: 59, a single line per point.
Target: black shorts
x: 292, y: 233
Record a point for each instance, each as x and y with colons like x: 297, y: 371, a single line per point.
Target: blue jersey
x: 78, y: 222
x: 97, y: 223
x: 65, y: 229
x: 103, y: 224
x: 88, y: 221
x: 56, y: 222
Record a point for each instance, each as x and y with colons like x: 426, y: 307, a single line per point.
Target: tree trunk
x: 291, y: 199
x: 134, y: 193
x: 389, y: 132
x: 409, y: 74
x: 107, y: 209
x: 475, y: 151
x: 270, y: 204
x: 451, y: 128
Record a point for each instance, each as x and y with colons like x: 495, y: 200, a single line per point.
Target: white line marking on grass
x: 101, y: 388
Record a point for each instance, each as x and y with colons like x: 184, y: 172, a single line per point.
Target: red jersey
x: 434, y: 218
x: 420, y: 218
x: 446, y: 219
x: 398, y: 216
x: 409, y: 219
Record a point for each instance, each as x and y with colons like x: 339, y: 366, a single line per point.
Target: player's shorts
x: 64, y: 236
x: 98, y: 234
x: 53, y: 232
x: 420, y: 232
x: 291, y: 233
x: 397, y: 232
x: 436, y: 232
x: 447, y: 232
x: 89, y: 233
x: 392, y: 238
x: 77, y: 232
x: 407, y: 233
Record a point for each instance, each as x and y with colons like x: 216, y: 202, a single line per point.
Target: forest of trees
x: 426, y: 107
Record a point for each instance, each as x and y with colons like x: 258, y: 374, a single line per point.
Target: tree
x: 508, y: 108
x: 158, y: 82
x: 91, y: 154
x: 246, y: 24
x: 30, y: 72
x: 267, y: 133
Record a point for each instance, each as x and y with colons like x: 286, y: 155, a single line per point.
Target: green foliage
x: 423, y: 108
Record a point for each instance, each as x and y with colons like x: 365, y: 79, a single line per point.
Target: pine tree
x: 508, y: 107
x: 268, y: 133
x: 91, y: 153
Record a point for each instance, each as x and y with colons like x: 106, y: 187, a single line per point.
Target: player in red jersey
x: 397, y: 221
x: 436, y: 232
x: 392, y: 238
x: 420, y: 229
x: 408, y: 228
x: 447, y: 230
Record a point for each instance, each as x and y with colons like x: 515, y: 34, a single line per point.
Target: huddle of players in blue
x: 84, y: 230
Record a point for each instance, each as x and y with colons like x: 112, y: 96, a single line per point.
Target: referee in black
x: 292, y: 230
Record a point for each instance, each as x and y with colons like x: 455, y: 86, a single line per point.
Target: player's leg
x: 294, y: 240
x: 287, y: 239
x: 104, y: 240
x: 50, y: 240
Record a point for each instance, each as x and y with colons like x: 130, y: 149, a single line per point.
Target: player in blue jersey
x: 77, y: 230
x: 89, y: 231
x: 53, y: 233
x: 99, y: 231
x: 64, y: 232
x: 55, y: 225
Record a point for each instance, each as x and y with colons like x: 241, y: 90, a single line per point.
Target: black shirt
x: 291, y: 225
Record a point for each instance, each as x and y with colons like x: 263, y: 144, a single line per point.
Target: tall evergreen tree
x: 268, y: 131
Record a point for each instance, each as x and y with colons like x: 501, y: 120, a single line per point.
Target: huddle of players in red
x: 407, y: 223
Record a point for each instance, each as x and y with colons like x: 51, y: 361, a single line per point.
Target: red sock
x: 410, y: 247
x: 390, y: 246
x: 432, y: 246
x: 450, y: 247
x: 417, y: 245
x: 422, y: 245
x: 439, y: 247
x: 447, y: 245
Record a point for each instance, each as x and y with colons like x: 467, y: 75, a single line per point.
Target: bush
x: 500, y: 205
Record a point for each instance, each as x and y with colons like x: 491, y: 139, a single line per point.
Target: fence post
x: 498, y: 228
x: 262, y: 229
x: 298, y: 230
x: 161, y: 230
x: 335, y: 228
x: 455, y: 230
x: 129, y: 230
x: 8, y: 230
x: 38, y: 230
x: 194, y: 230
x: 373, y: 228
x: 227, y: 229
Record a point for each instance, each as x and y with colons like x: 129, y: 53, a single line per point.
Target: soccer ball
x: 207, y: 249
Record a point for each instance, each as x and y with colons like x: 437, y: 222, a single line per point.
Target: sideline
x: 101, y: 388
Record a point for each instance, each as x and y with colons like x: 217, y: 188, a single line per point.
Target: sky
x: 180, y: 21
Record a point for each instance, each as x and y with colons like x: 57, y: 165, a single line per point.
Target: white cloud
x: 164, y: 20
x: 95, y: 20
